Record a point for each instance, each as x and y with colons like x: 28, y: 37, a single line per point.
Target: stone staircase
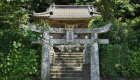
x: 69, y: 66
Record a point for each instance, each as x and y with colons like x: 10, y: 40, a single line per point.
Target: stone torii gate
x: 94, y: 54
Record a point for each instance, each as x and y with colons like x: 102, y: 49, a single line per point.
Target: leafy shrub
x: 133, y: 39
x: 113, y: 60
x: 19, y: 63
x: 134, y: 65
x: 19, y: 59
x: 117, y: 34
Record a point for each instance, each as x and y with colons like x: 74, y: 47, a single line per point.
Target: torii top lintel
x: 67, y: 14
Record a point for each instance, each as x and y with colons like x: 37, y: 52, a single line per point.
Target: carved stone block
x: 69, y: 35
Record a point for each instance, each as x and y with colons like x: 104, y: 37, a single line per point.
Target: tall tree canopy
x: 12, y: 13
x: 118, y: 8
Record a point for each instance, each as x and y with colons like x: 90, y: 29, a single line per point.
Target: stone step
x: 80, y: 53
x: 71, y: 78
x: 69, y: 68
x: 68, y: 61
x: 72, y: 53
x: 67, y: 64
x: 69, y: 75
x: 69, y: 58
x: 68, y: 55
x: 69, y: 71
x: 64, y: 57
x: 70, y: 64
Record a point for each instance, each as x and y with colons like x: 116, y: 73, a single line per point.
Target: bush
x: 133, y: 39
x: 134, y: 64
x: 19, y: 59
x: 113, y: 60
x: 19, y: 63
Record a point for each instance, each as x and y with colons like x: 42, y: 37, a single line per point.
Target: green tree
x: 115, y: 8
x: 19, y: 59
x: 39, y: 5
x: 13, y: 13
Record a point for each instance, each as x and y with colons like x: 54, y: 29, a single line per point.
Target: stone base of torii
x: 94, y: 54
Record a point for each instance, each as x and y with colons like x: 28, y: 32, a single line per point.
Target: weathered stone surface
x: 94, y: 59
x: 69, y: 66
x: 76, y: 41
x: 70, y: 35
x: 35, y: 28
x: 104, y: 41
x: 52, y: 55
x: 102, y: 29
x: 56, y: 30
x: 94, y: 56
x: 86, y: 55
x: 45, y: 65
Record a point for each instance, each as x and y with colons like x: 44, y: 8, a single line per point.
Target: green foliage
x: 39, y: 5
x: 121, y: 57
x: 134, y: 64
x: 118, y: 33
x: 7, y: 37
x: 111, y: 9
x: 133, y: 38
x: 114, y: 61
x: 125, y: 58
x: 83, y: 2
x: 63, y: 2
x: 97, y: 22
x: 123, y: 7
x: 20, y: 63
x: 42, y: 24
x: 136, y: 5
x: 19, y: 59
x: 13, y: 13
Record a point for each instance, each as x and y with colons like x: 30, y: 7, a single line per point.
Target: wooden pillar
x: 94, y: 57
x: 45, y: 64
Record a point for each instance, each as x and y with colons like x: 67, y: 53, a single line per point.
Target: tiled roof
x: 69, y: 12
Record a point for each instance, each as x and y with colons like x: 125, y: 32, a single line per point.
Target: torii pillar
x: 94, y: 58
x: 45, y: 63
x: 94, y: 55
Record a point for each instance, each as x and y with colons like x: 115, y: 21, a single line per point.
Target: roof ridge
x: 70, y: 11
